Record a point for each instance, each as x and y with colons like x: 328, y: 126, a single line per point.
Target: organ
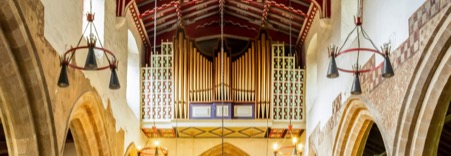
x: 182, y: 82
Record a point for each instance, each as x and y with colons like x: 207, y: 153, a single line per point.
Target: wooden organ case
x: 183, y: 83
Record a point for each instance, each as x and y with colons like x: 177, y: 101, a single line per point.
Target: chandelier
x: 297, y: 147
x: 334, y: 52
x: 91, y: 63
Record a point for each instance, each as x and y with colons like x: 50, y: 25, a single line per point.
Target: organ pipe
x: 246, y: 78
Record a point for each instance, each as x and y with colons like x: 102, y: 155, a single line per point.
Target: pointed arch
x: 229, y: 150
x: 26, y: 109
x: 354, y: 128
x: 87, y: 124
x: 426, y: 94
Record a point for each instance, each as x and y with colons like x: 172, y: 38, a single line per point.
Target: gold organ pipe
x: 210, y: 81
x: 229, y: 83
x: 252, y: 73
x: 216, y: 78
x: 244, y: 77
x: 190, y: 74
x: 259, y: 86
x: 180, y: 69
x: 201, y: 76
x: 248, y: 73
x: 176, y: 102
x: 204, y: 79
x: 196, y: 84
x: 224, y: 75
x: 268, y: 83
x: 263, y: 89
x: 240, y: 73
x: 185, y: 75
x: 227, y: 68
x: 223, y: 65
x: 233, y: 81
x: 207, y: 75
x: 226, y: 90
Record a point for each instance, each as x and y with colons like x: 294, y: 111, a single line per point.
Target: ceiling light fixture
x: 90, y: 63
x: 334, y: 52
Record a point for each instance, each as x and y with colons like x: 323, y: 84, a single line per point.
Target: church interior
x: 225, y: 78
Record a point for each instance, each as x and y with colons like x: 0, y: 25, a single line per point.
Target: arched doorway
x: 227, y: 148
x: 374, y: 144
x: 3, y: 144
x: 358, y: 133
x: 69, y: 147
x: 87, y: 127
x: 445, y: 137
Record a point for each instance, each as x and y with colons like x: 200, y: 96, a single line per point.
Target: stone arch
x: 425, y: 94
x: 229, y: 150
x: 27, y: 112
x: 354, y: 127
x: 86, y: 122
x: 132, y: 150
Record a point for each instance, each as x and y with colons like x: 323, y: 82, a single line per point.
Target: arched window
x: 132, y: 93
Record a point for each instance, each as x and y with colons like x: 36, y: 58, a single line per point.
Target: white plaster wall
x: 384, y: 20
x: 63, y: 28
x: 62, y: 23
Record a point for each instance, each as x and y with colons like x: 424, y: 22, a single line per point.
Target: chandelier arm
x: 101, y: 45
x: 365, y: 35
x: 347, y: 38
x: 78, y: 44
x: 358, y: 50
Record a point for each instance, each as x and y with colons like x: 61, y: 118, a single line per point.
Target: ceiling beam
x: 159, y: 20
x: 239, y: 10
x: 303, y: 3
x: 252, y: 21
x: 286, y: 27
x: 201, y: 17
x: 162, y: 26
x: 286, y: 20
x: 281, y: 6
x: 198, y: 6
x: 246, y: 6
x: 145, y: 3
x: 201, y: 11
x: 161, y: 9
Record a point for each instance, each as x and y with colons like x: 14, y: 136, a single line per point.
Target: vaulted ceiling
x: 243, y: 19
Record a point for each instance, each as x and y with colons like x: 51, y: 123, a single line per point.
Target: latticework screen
x: 287, y: 86
x: 157, y: 99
